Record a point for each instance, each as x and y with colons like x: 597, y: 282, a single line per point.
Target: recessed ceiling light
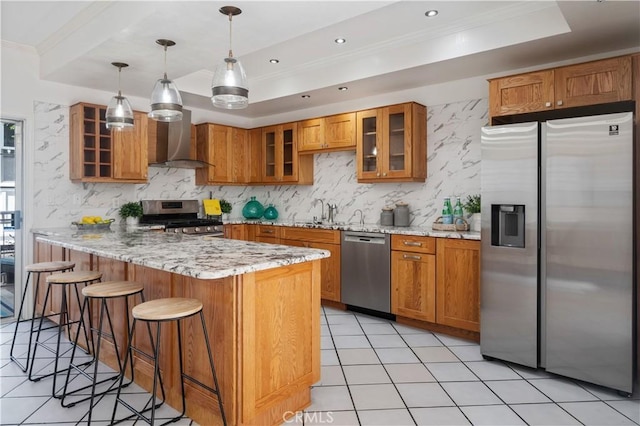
x: 340, y: 40
x: 274, y: 61
x: 431, y: 13
x: 306, y: 96
x: 343, y: 88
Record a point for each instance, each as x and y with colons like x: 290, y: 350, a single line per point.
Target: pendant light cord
x: 230, y: 34
x: 119, y: 73
x: 165, y: 61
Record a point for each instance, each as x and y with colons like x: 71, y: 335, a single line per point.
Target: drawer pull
x: 412, y: 243
x: 268, y: 231
x: 411, y: 257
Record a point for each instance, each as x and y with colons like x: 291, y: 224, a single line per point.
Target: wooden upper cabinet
x: 590, y: 83
x: 326, y: 134
x: 521, y: 93
x: 311, y: 135
x: 225, y: 148
x: 458, y: 283
x: 280, y: 159
x: 97, y: 154
x: 392, y: 144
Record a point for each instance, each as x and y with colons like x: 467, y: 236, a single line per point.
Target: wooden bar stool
x: 37, y: 269
x: 64, y: 280
x: 103, y: 292
x: 159, y: 311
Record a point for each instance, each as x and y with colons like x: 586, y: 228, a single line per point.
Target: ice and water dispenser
x: 507, y: 225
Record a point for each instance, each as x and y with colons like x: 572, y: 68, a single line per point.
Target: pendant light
x: 229, y: 86
x: 166, y: 102
x: 119, y: 114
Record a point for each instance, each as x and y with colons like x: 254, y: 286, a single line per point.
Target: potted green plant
x: 472, y: 207
x: 226, y: 208
x: 131, y: 212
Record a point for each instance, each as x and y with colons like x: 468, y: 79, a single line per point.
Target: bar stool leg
x: 156, y: 380
x: 18, y: 321
x: 63, y: 322
x: 213, y: 370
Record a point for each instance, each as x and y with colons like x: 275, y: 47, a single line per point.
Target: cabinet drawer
x: 267, y: 231
x: 413, y: 243
x: 329, y: 236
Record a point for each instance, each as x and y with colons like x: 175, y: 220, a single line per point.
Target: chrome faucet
x: 315, y: 219
x: 361, y: 216
x: 333, y: 209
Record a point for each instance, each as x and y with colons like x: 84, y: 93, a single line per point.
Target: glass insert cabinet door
x: 279, y: 152
x: 383, y: 149
x: 369, y: 142
x: 269, y: 147
x: 396, y: 146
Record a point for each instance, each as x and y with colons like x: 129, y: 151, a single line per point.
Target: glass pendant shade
x: 229, y: 88
x: 229, y: 85
x: 166, y: 102
x: 119, y: 113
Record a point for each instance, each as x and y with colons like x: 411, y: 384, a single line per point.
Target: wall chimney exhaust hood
x: 170, y: 144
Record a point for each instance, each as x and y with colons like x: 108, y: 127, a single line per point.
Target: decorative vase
x: 253, y: 209
x: 270, y: 213
x: 475, y: 222
x: 132, y: 221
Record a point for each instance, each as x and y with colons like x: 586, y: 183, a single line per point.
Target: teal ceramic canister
x: 253, y: 209
x: 270, y: 213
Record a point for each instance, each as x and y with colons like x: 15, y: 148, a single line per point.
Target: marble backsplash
x: 453, y: 169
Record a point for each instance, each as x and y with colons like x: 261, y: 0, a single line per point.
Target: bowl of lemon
x: 93, y: 223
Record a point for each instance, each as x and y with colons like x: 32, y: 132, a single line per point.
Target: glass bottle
x: 457, y: 211
x: 447, y: 213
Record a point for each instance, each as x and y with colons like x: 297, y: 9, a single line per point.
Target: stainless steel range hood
x: 170, y: 144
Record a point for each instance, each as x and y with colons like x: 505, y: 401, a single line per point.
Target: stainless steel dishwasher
x: 366, y: 270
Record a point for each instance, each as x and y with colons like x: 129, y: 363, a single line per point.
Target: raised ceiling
x: 390, y: 46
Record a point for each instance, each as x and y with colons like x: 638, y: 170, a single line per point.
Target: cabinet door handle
x: 559, y: 103
x: 412, y: 243
x: 411, y: 257
x: 384, y: 174
x: 547, y: 104
x: 378, y: 174
x: 268, y: 231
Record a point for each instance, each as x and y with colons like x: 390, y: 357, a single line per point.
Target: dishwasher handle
x: 364, y: 239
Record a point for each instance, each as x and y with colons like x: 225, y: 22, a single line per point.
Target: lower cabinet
x: 413, y: 281
x: 436, y: 280
x: 413, y: 277
x: 236, y: 232
x: 323, y: 239
x: 458, y: 283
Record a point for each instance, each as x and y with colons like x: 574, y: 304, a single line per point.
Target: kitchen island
x: 261, y: 304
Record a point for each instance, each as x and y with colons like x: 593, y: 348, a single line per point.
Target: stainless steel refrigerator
x: 557, y: 247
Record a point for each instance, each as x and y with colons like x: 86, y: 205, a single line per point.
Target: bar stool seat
x: 74, y: 277
x: 55, y: 266
x: 159, y: 311
x: 38, y: 269
x: 102, y: 291
x: 63, y: 279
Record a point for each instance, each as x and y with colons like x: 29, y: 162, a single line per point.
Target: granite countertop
x: 367, y: 227
x: 198, y: 256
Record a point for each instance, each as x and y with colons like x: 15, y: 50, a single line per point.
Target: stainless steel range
x: 179, y: 217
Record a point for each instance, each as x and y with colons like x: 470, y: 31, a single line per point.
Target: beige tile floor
x: 378, y: 372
